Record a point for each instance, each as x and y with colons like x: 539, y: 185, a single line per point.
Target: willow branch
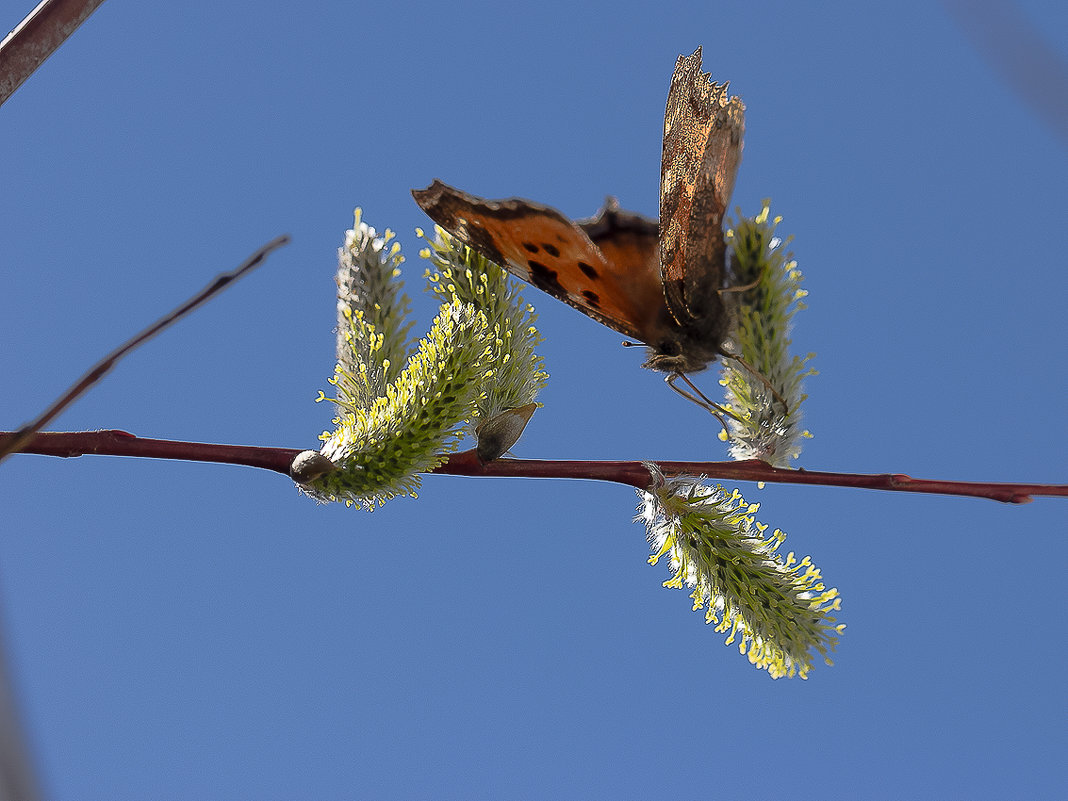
x: 632, y: 473
x: 122, y: 443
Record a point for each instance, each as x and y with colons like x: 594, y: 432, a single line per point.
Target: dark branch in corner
x: 35, y: 38
x: 122, y: 443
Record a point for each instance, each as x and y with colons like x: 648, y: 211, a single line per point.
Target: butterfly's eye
x: 668, y: 347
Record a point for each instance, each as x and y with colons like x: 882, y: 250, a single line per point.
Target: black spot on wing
x: 544, y: 278
x: 552, y: 250
x: 592, y: 298
x: 587, y: 270
x: 531, y: 247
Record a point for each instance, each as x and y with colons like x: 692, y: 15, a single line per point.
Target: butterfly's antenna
x: 627, y: 344
x: 698, y: 397
x: 763, y: 379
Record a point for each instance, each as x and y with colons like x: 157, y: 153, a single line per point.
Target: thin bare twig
x: 18, y: 775
x: 35, y: 38
x: 97, y: 371
x: 1020, y: 54
x: 122, y: 443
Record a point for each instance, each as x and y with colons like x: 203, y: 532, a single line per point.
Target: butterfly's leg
x: 745, y: 287
x: 699, y: 398
x: 755, y: 372
x: 742, y: 288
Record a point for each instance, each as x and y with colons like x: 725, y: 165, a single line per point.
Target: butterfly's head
x: 688, y: 348
x: 680, y: 355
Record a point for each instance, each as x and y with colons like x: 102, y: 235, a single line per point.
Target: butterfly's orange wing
x: 703, y: 130
x: 607, y: 267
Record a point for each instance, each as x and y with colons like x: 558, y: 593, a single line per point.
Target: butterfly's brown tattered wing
x: 657, y: 283
x: 606, y: 267
x: 703, y: 130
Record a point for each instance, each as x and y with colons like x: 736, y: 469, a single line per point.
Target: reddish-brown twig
x: 121, y: 443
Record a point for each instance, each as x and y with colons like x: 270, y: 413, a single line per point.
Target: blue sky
x: 185, y: 631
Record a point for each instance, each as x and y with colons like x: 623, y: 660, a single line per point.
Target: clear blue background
x: 189, y: 631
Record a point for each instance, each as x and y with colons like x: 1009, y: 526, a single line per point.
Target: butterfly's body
x: 686, y: 345
x: 658, y: 283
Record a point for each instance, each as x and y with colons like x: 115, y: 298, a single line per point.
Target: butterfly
x: 658, y: 283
